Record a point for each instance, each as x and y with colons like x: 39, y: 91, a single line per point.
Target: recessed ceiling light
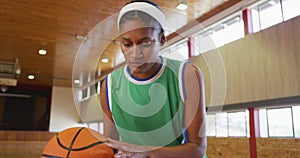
x: 182, y: 6
x: 42, y: 52
x: 76, y: 81
x: 31, y: 77
x: 105, y: 60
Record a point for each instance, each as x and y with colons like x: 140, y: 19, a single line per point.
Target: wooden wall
x: 261, y: 66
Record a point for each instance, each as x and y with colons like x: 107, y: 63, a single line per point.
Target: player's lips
x: 135, y: 64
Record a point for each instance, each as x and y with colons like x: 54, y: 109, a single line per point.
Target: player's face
x: 140, y: 46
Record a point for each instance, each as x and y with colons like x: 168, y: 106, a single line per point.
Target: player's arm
x: 194, y: 118
x: 194, y: 121
x: 110, y: 130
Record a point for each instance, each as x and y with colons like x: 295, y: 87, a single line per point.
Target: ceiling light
x: 42, y: 52
x: 76, y: 81
x: 181, y: 5
x: 105, y: 60
x: 272, y: 3
x: 30, y: 77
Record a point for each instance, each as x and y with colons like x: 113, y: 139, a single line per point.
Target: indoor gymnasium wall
x: 266, y: 147
x: 63, y: 113
x: 278, y: 147
x: 261, y: 66
x: 227, y: 147
x: 90, y: 110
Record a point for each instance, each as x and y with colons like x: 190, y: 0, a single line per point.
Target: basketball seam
x: 77, y: 149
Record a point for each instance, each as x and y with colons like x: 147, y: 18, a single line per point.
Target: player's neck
x: 150, y: 71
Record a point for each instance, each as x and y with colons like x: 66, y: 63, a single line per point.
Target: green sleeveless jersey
x: 150, y: 111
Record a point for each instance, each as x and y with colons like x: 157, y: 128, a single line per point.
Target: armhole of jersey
x: 108, y: 92
x: 181, y: 80
x: 185, y: 137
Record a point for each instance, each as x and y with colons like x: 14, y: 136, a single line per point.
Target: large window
x: 237, y: 124
x: 280, y: 122
x: 272, y: 12
x: 177, y: 51
x: 219, y: 34
x: 221, y: 125
x: 232, y: 124
x: 290, y: 8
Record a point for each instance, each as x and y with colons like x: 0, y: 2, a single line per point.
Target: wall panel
x: 261, y: 66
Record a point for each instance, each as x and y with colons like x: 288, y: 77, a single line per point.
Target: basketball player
x: 154, y: 106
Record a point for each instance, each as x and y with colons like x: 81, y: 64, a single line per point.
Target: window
x: 272, y: 12
x: 85, y: 94
x: 290, y: 8
x: 237, y: 124
x: 97, y: 126
x: 280, y: 122
x: 203, y: 42
x: 98, y: 87
x: 219, y: 34
x: 296, y: 118
x: 178, y: 51
x: 211, y: 125
x: 263, y: 124
x: 233, y: 124
x: 221, y: 125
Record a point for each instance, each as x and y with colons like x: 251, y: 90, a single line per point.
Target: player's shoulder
x: 192, y: 69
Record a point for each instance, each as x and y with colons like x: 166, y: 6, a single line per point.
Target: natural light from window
x: 296, y: 116
x: 221, y: 125
x: 291, y: 8
x: 237, y: 124
x: 270, y: 14
x: 178, y: 51
x: 219, y: 34
x: 280, y: 122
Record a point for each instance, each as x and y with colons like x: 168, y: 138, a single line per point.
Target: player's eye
x: 146, y: 44
x: 127, y: 45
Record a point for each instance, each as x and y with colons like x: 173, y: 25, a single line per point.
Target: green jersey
x: 149, y: 111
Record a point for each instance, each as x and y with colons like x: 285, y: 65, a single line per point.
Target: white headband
x: 147, y: 8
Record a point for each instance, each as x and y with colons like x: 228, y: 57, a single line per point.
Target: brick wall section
x: 228, y: 147
x: 29, y: 144
x: 23, y: 144
x: 278, y: 147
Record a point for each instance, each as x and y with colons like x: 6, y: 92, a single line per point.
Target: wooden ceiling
x: 76, y: 35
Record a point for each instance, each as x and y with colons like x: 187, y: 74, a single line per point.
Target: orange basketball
x: 78, y: 142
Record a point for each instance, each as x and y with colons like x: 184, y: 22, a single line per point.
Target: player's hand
x: 128, y: 150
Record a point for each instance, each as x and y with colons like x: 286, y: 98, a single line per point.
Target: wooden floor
x: 21, y: 149
x: 23, y: 144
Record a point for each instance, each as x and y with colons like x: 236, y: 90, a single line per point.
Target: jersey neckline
x: 154, y: 77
